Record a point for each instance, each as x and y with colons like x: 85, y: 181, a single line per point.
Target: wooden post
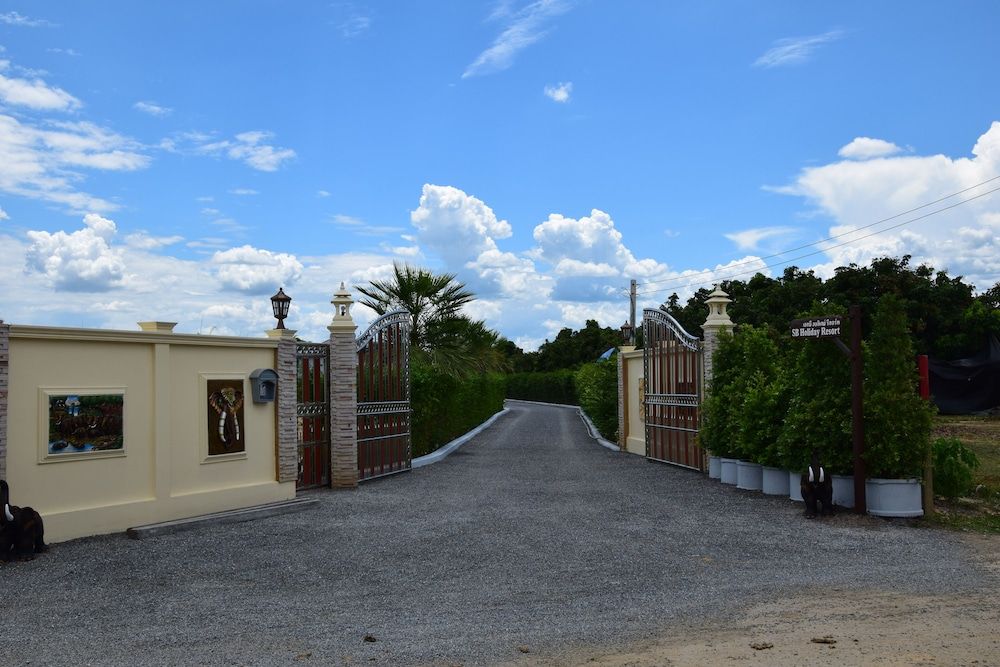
x: 925, y: 392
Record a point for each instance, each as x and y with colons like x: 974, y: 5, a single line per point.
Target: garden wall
x: 632, y: 431
x: 108, y: 430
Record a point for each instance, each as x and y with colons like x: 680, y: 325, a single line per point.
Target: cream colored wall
x: 635, y: 442
x: 164, y: 473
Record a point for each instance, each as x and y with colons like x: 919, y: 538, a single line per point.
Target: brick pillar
x: 4, y: 385
x: 343, y: 393
x: 286, y: 403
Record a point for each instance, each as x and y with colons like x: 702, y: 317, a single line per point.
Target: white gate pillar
x: 717, y: 321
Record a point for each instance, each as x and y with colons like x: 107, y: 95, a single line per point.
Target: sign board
x: 824, y: 326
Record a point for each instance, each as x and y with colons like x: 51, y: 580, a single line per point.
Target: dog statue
x: 22, y: 533
x: 817, y: 489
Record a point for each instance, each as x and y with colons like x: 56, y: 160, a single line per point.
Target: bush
x: 549, y: 387
x: 719, y: 430
x: 953, y: 466
x: 597, y: 386
x: 444, y: 407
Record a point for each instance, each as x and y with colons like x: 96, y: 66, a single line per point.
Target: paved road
x: 531, y: 535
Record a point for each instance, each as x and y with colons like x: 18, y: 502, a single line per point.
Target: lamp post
x: 279, y: 304
x: 628, y: 332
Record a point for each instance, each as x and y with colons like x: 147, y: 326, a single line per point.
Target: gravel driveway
x: 530, y: 537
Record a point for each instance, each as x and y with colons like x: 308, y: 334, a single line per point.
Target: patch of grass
x: 980, y: 513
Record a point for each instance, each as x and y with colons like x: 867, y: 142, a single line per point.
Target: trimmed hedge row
x: 445, y: 407
x: 597, y: 386
x: 549, y: 387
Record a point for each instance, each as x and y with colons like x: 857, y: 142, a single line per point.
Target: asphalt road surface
x: 530, y: 538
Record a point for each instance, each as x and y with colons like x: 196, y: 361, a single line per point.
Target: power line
x: 822, y: 250
x: 837, y: 236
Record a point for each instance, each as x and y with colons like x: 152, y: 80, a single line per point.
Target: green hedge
x: 550, y: 387
x: 597, y: 386
x: 445, y: 407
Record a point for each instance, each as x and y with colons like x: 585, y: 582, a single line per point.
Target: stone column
x: 343, y: 393
x: 286, y: 405
x: 4, y: 387
x: 717, y: 322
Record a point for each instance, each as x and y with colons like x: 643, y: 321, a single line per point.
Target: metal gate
x: 384, y: 397
x: 312, y: 412
x: 673, y: 365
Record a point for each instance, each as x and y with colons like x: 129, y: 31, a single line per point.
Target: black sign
x: 818, y: 327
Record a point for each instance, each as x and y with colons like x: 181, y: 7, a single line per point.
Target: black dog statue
x: 817, y: 489
x: 22, y: 534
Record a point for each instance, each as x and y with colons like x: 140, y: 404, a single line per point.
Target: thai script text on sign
x: 818, y: 327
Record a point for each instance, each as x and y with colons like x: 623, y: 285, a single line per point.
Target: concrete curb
x: 591, y: 429
x: 440, y: 453
x: 232, y: 516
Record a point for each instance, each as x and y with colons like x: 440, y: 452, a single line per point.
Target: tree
x: 430, y: 299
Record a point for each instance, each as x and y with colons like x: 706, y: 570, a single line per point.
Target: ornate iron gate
x: 313, y: 413
x: 384, y: 397
x: 673, y: 365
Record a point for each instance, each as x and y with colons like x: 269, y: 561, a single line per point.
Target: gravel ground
x: 531, y: 537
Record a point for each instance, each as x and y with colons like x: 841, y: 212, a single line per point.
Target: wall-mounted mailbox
x: 263, y: 385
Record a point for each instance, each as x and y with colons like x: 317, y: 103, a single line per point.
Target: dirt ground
x: 841, y: 628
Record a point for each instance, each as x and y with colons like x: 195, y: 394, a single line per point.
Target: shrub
x: 761, y: 396
x: 549, y: 387
x: 444, y: 407
x: 897, y: 419
x: 597, y: 386
x: 953, y: 466
x: 719, y: 430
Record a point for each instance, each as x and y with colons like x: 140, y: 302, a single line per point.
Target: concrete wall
x: 164, y: 471
x: 633, y: 435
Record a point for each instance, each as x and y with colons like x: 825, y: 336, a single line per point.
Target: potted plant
x: 719, y: 426
x: 897, y: 420
x: 762, y: 406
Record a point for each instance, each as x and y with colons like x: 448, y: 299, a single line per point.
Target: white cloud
x: 248, y: 147
x: 863, y: 148
x: 355, y: 25
x: 524, y: 28
x: 592, y: 239
x: 322, y: 193
x: 559, y: 93
x: 250, y: 269
x: 3, y: 215
x: 456, y: 225
x: 795, y: 50
x: 66, y: 52
x: 13, y: 18
x: 749, y: 239
x: 145, y: 241
x: 152, y: 108
x: 856, y: 194
x: 82, y: 261
x: 243, y: 192
x: 35, y: 94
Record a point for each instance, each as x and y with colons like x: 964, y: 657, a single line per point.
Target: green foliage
x: 551, y: 387
x: 819, y: 405
x: 897, y: 420
x: 445, y: 406
x: 597, y: 385
x: 720, y: 420
x: 571, y: 348
x: 953, y: 466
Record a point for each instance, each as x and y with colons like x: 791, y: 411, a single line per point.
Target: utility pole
x: 631, y: 310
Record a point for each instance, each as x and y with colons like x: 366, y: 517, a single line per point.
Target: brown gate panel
x: 312, y: 414
x: 384, y: 397
x: 672, y: 362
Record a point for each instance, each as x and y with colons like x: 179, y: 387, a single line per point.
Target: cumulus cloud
x: 559, y: 93
x: 864, y: 148
x: 34, y: 94
x: 522, y: 29
x: 456, y: 225
x: 856, y: 195
x: 590, y: 239
x: 81, y: 261
x: 795, y: 50
x: 250, y: 269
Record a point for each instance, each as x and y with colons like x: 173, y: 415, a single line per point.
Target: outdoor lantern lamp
x: 279, y: 304
x: 627, y: 331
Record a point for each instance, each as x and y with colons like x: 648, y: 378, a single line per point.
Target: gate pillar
x: 717, y: 321
x: 343, y: 393
x: 288, y: 442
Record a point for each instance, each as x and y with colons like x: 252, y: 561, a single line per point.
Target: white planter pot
x: 728, y: 471
x: 714, y: 467
x: 894, y: 497
x: 749, y: 475
x: 843, y: 490
x: 774, y: 481
x: 795, y: 486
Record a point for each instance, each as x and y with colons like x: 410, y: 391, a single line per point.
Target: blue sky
x: 179, y: 161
